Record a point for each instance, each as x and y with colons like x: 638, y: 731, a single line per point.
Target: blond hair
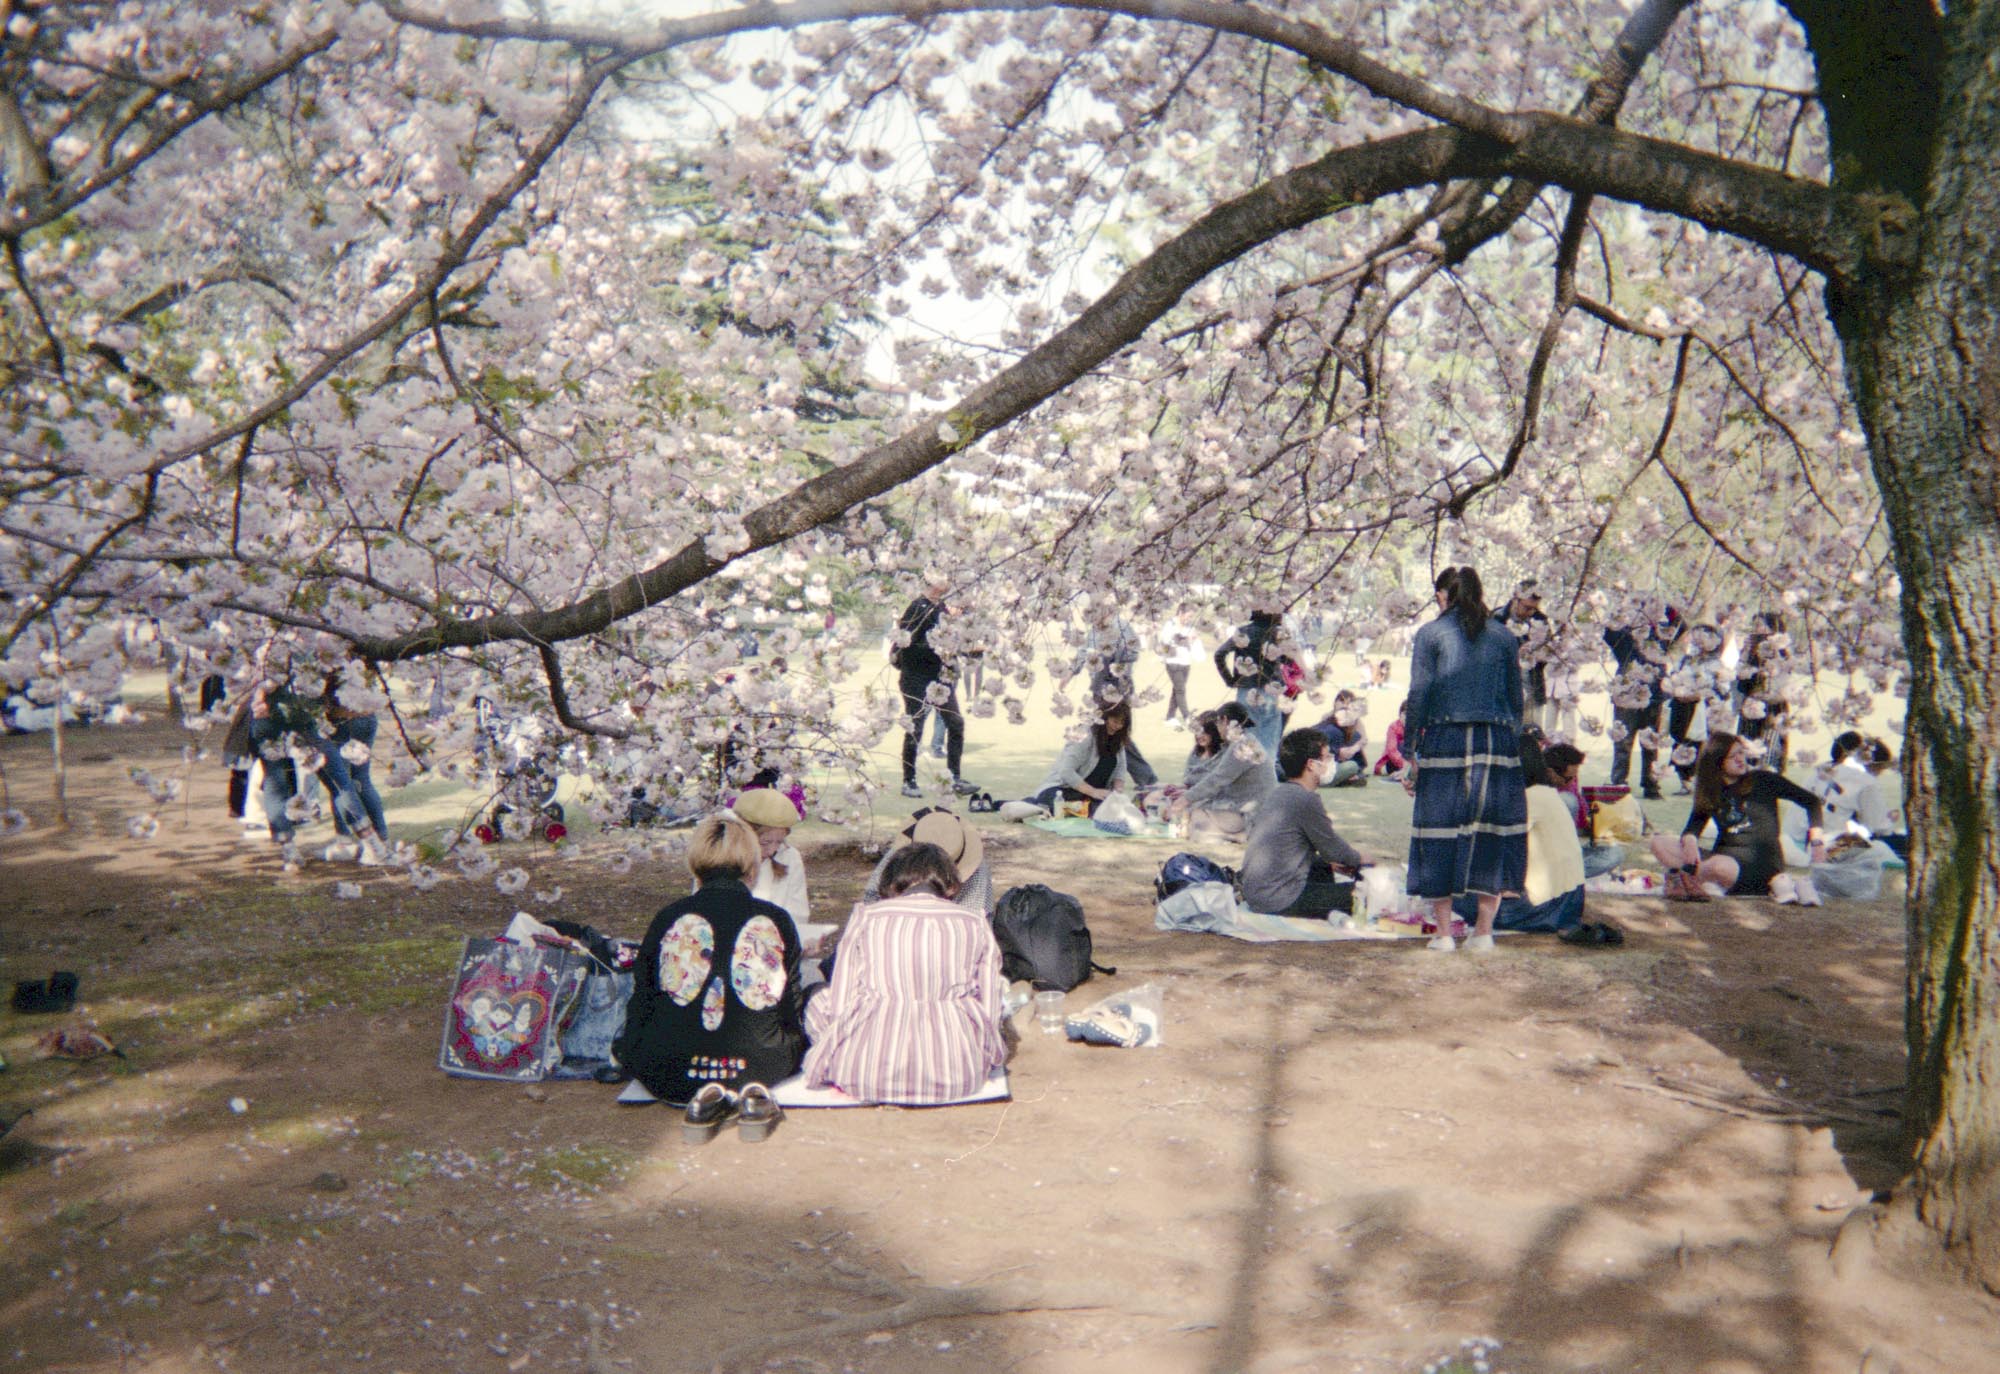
x: 721, y: 845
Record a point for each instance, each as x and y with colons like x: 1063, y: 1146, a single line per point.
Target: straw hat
x: 767, y: 806
x: 959, y: 841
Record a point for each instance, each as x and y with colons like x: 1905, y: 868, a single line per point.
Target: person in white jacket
x: 781, y: 873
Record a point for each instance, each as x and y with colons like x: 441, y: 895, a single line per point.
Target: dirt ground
x: 1345, y: 1157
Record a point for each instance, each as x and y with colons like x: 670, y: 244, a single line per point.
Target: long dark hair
x: 1465, y: 598
x: 1708, y: 779
x: 1109, y: 737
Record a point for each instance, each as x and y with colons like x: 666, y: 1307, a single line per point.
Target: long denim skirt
x: 1469, y: 832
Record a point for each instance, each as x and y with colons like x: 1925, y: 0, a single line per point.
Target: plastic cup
x: 1049, y: 1012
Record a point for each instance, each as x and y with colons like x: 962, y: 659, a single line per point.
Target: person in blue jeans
x: 1252, y: 661
x: 358, y: 818
x: 277, y: 716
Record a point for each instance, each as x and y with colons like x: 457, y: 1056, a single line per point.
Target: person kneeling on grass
x: 1291, y: 855
x: 1749, y: 858
x: 1228, y: 774
x: 1089, y: 769
x: 914, y: 1012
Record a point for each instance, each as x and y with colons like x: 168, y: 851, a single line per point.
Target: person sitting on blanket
x: 1346, y: 732
x: 960, y: 843
x: 913, y: 1015
x: 1291, y: 854
x: 781, y: 873
x: 1563, y: 764
x: 1228, y: 774
x: 1551, y: 899
x: 716, y: 995
x: 1090, y: 768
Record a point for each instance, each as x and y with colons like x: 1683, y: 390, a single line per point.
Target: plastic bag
x: 1618, y: 820
x: 1118, y: 814
x: 1130, y: 1020
x: 1379, y: 893
x: 1854, y: 875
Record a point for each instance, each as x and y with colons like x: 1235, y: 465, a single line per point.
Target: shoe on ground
x: 374, y: 854
x: 341, y: 852
x: 963, y: 788
x: 758, y: 1113
x: 1020, y: 811
x: 712, y: 1108
x: 910, y: 789
x: 1785, y: 898
x: 1443, y: 944
x: 1479, y: 944
x: 1651, y: 794
x: 1808, y: 894
x: 288, y: 858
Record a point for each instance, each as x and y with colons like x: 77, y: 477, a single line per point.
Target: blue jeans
x: 1601, y: 858
x: 281, y: 778
x: 355, y: 800
x: 1267, y: 722
x: 1518, y: 913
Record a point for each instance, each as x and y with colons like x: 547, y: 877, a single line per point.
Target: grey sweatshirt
x: 1288, y: 831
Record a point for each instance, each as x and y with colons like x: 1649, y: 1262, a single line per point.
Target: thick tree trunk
x: 1923, y: 353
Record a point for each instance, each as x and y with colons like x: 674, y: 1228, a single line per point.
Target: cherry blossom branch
x: 26, y: 213
x: 559, y: 699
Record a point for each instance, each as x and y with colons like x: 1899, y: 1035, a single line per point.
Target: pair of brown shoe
x: 754, y: 1112
x: 1683, y: 885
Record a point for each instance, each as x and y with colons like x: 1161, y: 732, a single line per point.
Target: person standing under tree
x: 1469, y: 827
x: 926, y: 684
x: 1522, y: 617
x: 1177, y: 644
x: 1252, y: 661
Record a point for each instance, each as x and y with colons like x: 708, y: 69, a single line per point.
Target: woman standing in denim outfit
x: 1469, y: 831
x: 357, y: 807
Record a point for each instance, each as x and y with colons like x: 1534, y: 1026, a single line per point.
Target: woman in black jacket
x: 716, y: 995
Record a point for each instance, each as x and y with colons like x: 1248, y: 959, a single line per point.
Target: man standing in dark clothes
x: 1520, y: 616
x: 927, y: 686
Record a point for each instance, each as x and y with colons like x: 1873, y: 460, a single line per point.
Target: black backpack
x: 1043, y: 938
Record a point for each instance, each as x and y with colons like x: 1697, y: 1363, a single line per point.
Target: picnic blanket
x: 1212, y: 909
x: 793, y: 1092
x: 1083, y: 828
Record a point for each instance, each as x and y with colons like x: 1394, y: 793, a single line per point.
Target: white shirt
x: 789, y: 891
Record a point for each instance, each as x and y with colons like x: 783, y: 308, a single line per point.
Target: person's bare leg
x: 1489, y: 906
x: 1441, y: 917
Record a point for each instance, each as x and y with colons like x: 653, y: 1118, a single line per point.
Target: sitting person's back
x: 913, y: 1013
x: 717, y: 997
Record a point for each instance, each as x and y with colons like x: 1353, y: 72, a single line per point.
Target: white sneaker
x: 1444, y: 944
x: 374, y: 854
x: 288, y: 857
x: 341, y: 852
x: 1808, y: 895
x: 1479, y: 944
x: 1020, y: 811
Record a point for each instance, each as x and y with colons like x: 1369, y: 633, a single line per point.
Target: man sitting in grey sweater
x: 1291, y: 852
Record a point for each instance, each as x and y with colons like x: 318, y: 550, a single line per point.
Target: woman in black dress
x: 1748, y: 859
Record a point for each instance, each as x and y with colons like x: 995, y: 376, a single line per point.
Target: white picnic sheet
x: 793, y: 1092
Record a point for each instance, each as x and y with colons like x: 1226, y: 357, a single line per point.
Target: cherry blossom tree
x: 536, y: 350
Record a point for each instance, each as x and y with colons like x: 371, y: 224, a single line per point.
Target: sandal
x: 758, y: 1114
x: 711, y: 1109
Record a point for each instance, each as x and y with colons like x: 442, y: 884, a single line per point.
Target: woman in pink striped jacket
x: 913, y: 1013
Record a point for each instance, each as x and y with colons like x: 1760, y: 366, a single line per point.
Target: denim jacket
x: 1454, y: 680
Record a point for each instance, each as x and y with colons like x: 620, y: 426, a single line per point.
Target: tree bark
x: 1923, y: 355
